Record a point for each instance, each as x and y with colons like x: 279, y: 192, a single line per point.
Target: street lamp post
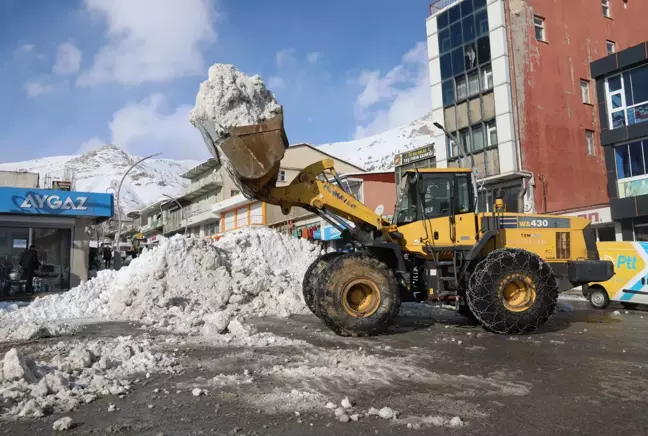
x: 182, y: 215
x: 117, y: 253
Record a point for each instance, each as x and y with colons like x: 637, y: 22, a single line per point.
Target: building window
x: 611, y: 47
x: 606, y: 8
x: 462, y: 91
x: 452, y: 148
x: 539, y: 24
x: 487, y: 78
x: 585, y: 91
x: 491, y: 128
x: 234, y: 192
x: 282, y: 176
x: 589, y: 142
x: 627, y: 97
x: 631, y: 168
x: 464, y: 139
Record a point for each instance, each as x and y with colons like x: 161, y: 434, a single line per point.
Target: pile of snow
x: 229, y: 98
x: 184, y: 285
x: 70, y: 374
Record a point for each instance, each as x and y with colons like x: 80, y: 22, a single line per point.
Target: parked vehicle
x: 629, y: 285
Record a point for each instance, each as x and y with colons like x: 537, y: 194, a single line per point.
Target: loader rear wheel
x: 512, y: 291
x: 357, y: 295
x: 310, y: 278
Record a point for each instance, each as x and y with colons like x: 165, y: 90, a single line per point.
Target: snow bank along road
x: 173, y: 344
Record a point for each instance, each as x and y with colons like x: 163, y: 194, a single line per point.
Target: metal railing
x: 439, y: 5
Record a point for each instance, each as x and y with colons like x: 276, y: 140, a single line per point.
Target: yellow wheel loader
x: 503, y: 269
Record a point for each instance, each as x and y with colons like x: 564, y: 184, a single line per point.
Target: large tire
x: 357, y: 295
x: 512, y: 291
x: 310, y: 278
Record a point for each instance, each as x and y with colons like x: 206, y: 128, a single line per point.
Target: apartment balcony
x: 193, y: 215
x: 439, y: 5
x: 203, y: 186
x: 151, y: 226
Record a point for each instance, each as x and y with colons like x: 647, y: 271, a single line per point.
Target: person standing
x: 29, y: 263
x: 107, y: 255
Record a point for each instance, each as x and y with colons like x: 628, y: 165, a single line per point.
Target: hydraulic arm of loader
x: 327, y: 199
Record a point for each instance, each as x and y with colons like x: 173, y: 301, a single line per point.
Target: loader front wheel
x: 310, y: 278
x: 512, y: 291
x: 357, y: 295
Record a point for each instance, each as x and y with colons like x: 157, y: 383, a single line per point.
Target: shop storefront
x: 55, y: 222
x: 601, y: 218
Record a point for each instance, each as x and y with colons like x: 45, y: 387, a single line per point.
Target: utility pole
x: 117, y: 251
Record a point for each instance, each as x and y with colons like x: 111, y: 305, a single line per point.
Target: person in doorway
x: 29, y: 263
x: 107, y: 255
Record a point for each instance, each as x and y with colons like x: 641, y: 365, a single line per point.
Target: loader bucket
x: 252, y: 153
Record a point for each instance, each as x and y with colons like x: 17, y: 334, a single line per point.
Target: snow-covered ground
x: 96, y: 169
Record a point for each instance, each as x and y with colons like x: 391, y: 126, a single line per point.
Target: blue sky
x: 76, y: 74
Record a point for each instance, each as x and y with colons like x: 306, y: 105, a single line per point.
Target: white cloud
x: 275, y: 82
x: 25, y: 48
x: 313, y: 57
x: 34, y: 89
x: 395, y: 98
x: 91, y: 144
x: 150, y: 40
x: 285, y: 57
x: 148, y: 127
x: 68, y: 59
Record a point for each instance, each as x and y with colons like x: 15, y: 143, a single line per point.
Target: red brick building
x: 523, y: 101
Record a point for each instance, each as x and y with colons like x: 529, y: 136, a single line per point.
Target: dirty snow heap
x: 229, y: 98
x: 184, y: 285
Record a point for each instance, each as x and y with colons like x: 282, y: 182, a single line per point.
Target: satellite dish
x: 380, y: 209
x: 114, y: 184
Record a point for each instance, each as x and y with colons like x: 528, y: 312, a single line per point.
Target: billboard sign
x: 408, y: 157
x: 62, y: 185
x: 55, y: 202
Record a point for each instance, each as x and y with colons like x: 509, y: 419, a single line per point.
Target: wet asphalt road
x: 584, y: 373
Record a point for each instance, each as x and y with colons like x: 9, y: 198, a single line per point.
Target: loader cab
x: 433, y: 193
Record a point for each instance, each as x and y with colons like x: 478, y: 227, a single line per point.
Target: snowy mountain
x: 377, y: 152
x: 94, y: 171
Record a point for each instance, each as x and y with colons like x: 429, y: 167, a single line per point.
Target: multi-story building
x: 243, y: 212
x: 622, y: 100
x: 511, y: 80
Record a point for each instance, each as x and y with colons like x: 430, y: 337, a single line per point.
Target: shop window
x: 53, y: 246
x: 539, y: 25
x: 589, y: 142
x: 585, y: 91
x: 641, y: 232
x: 611, y: 47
